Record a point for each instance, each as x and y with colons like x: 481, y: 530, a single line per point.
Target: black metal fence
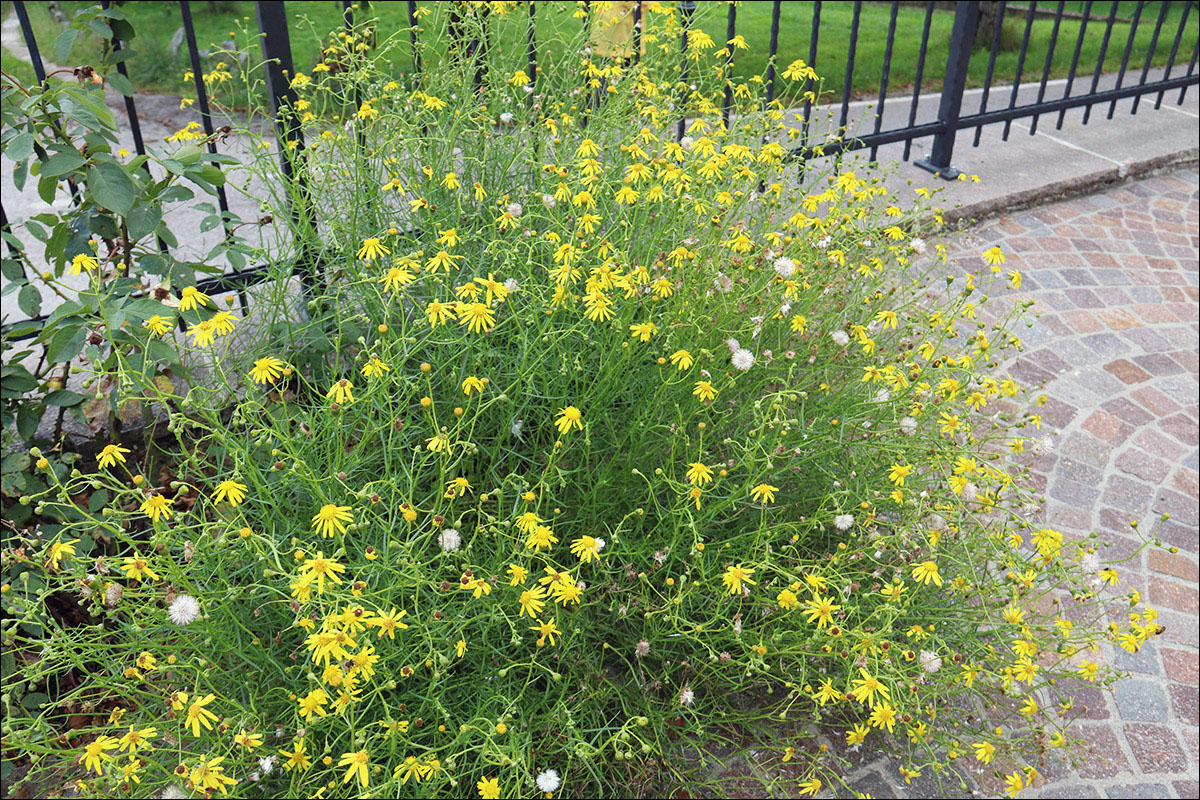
x: 951, y: 117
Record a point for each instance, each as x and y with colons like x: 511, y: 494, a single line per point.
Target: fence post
x: 277, y: 52
x: 962, y: 39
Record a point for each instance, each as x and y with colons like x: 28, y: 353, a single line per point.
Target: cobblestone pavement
x: 1114, y: 279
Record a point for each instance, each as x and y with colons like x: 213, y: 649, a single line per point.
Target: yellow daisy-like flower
x: 191, y: 297
x: 698, y: 474
x: 473, y: 384
x: 356, y: 766
x: 60, y: 550
x: 341, y: 392
x: 532, y: 602
x: 682, y: 359
x: 586, y: 548
x: 158, y: 325
x: 267, y: 370
x: 111, y: 454
x: 568, y: 418
x: 330, y: 519
x: 925, y: 572
x: 372, y: 249
x: 735, y: 576
x: 230, y: 491
x: 155, y: 506
x: 198, y: 715
x: 764, y: 493
x: 704, y: 390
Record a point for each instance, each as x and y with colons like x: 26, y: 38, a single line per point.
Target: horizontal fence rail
x: 954, y: 63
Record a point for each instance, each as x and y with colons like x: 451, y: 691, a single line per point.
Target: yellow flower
x: 925, y: 572
x: 736, y: 575
x: 856, y: 735
x: 450, y: 180
x: 569, y: 417
x: 356, y: 765
x: 546, y: 631
x: 191, y: 297
x: 985, y: 752
x: 321, y: 568
x: 231, y: 491
x: 341, y: 392
x: 157, y: 324
x: 810, y: 786
x: 898, y: 473
x: 517, y: 575
x: 438, y: 313
x: 60, y: 550
x: 532, y: 601
x: 460, y: 647
x: 820, y: 610
x: 82, y: 261
x: 135, y: 567
x: 206, y: 776
x: 472, y: 384
x: 704, y: 390
x: 267, y: 370
x: 136, y: 740
x: 330, y: 519
x: 1013, y: 784
x: 489, y: 789
x: 374, y: 367
x: 297, y: 757
x: 864, y: 690
x: 248, y: 740
x: 476, y: 316
x: 586, y: 548
x: 682, y: 359
x: 699, y: 474
x: 372, y: 249
x: 198, y: 715
x: 883, y: 716
x: 764, y: 493
x: 95, y: 753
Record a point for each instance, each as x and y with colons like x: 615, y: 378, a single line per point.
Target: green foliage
x: 584, y: 454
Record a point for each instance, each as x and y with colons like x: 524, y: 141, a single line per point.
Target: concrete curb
x: 1089, y: 183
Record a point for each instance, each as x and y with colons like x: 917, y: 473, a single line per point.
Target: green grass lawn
x: 155, y: 70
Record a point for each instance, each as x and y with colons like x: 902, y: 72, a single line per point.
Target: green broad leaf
x: 16, y: 381
x: 100, y: 28
x: 63, y: 45
x: 213, y: 174
x: 47, y: 187
x: 120, y: 83
x: 20, y: 174
x: 11, y: 269
x: 29, y: 300
x: 142, y: 219
x: 63, y: 397
x: 61, y: 163
x: 28, y: 418
x: 20, y: 147
x: 111, y: 187
x: 66, y: 343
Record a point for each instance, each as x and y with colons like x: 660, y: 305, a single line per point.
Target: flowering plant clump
x: 597, y: 448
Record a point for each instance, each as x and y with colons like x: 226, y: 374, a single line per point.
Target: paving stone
x: 1174, y: 595
x: 1105, y: 759
x: 1105, y: 426
x: 1144, y: 661
x: 1183, y: 703
x: 1142, y: 465
x: 1155, y: 748
x: 1137, y: 790
x: 1175, y: 564
x: 1128, y: 494
x: 1186, y: 788
x: 1127, y: 371
x: 1139, y: 700
x: 1182, y: 666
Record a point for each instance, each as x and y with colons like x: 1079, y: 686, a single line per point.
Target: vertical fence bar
x: 686, y: 9
x: 991, y: 68
x: 35, y: 55
x: 1112, y: 18
x: 916, y: 98
x: 1137, y: 15
x: 1191, y: 67
x: 813, y: 37
x: 848, y: 84
x: 1049, y: 61
x: 1162, y: 16
x: 189, y: 32
x: 773, y: 51
x: 360, y: 135
x: 966, y: 20
x: 730, y: 32
x: 637, y: 31
x: 1087, y: 14
x: 1174, y: 52
x: 412, y: 40
x: 531, y: 51
x: 887, y: 68
x: 1030, y: 13
x: 277, y: 55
